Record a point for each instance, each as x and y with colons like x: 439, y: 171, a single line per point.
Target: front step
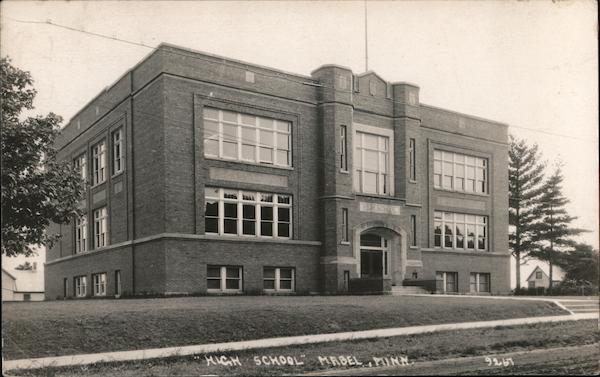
x: 408, y: 290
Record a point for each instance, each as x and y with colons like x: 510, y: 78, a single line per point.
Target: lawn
x: 39, y: 329
x: 417, y: 348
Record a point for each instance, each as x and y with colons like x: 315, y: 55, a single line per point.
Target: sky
x: 530, y: 64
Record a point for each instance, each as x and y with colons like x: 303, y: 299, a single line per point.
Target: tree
x: 36, y: 188
x: 552, y: 233
x: 580, y: 264
x: 525, y: 179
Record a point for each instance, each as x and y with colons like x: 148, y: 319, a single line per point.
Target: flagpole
x: 366, y: 41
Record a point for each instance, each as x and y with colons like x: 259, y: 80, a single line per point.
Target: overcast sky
x: 530, y: 64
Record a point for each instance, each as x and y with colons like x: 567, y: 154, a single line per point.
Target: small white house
x: 11, y: 291
x: 540, y: 279
x: 23, y: 277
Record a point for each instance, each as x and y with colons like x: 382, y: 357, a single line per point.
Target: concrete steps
x: 581, y: 306
x: 408, y: 290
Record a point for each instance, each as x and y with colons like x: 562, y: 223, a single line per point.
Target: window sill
x: 344, y: 171
x: 117, y: 174
x: 247, y: 237
x: 412, y: 181
x: 414, y: 247
x: 462, y: 192
x: 377, y: 196
x: 224, y: 292
x: 282, y: 167
x: 97, y: 185
x: 344, y: 243
x: 466, y: 252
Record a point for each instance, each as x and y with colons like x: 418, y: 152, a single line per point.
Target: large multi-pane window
x: 480, y: 282
x: 81, y: 234
x: 371, y: 164
x: 100, y: 228
x: 99, y: 281
x: 117, y: 151
x: 98, y: 163
x: 224, y: 279
x: 446, y: 282
x: 80, y: 285
x: 460, y: 231
x: 459, y: 172
x: 247, y: 213
x: 243, y: 137
x: 278, y: 279
x: 80, y: 164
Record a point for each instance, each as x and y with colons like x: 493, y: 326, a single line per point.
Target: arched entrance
x: 380, y: 251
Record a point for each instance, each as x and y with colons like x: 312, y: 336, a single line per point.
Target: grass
x: 70, y: 327
x: 418, y: 348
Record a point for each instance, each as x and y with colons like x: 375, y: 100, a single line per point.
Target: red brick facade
x: 156, y: 223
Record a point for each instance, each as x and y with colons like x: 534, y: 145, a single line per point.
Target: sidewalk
x: 84, y: 359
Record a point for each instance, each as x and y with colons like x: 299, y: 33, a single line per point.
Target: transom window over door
x: 372, y: 162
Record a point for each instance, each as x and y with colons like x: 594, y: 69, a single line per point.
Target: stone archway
x: 397, y: 246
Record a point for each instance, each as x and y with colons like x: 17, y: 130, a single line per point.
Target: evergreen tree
x: 581, y: 264
x: 552, y: 232
x: 525, y: 175
x: 36, y: 188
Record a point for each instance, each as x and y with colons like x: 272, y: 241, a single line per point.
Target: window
x: 345, y: 235
x: 277, y: 279
x: 372, y: 87
x: 224, y: 279
x: 413, y: 227
x: 480, y: 282
x: 100, y: 229
x: 117, y: 151
x: 65, y: 287
x: 242, y: 137
x: 247, y: 213
x: 80, y: 286
x: 412, y: 159
x: 26, y: 296
x: 98, y: 163
x: 538, y: 275
x: 459, y: 231
x: 371, y: 164
x: 459, y: 172
x: 118, y: 283
x: 80, y: 164
x: 531, y: 284
x: 99, y: 281
x: 343, y: 149
x: 81, y: 234
x: 446, y: 281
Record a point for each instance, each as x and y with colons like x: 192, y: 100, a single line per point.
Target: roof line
x: 465, y: 115
x: 9, y: 274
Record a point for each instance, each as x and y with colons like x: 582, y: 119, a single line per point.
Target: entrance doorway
x: 374, y: 256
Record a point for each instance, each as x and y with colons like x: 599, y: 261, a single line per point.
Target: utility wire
x: 262, y: 73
